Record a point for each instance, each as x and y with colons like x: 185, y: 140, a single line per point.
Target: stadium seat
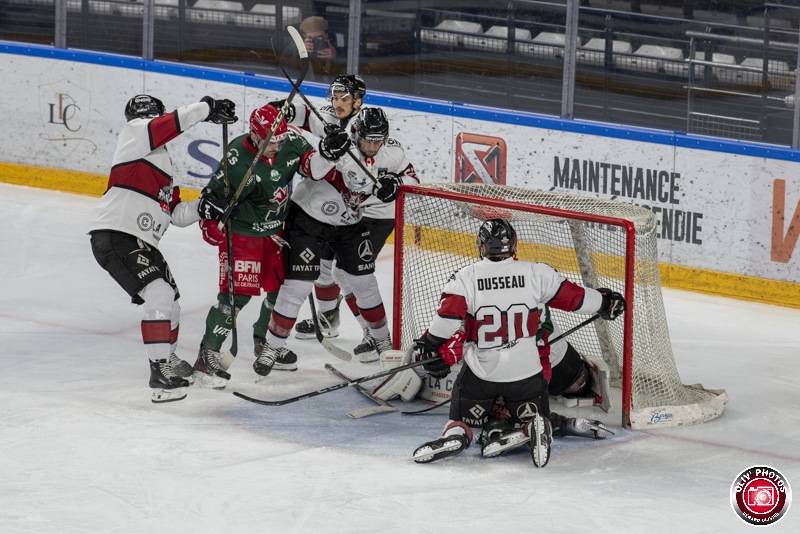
x: 131, y: 8
x: 649, y: 58
x: 450, y: 32
x: 263, y: 16
x: 213, y: 11
x: 166, y: 9
x: 101, y: 8
x: 593, y: 52
x: 546, y: 45
x: 778, y: 73
x: 495, y: 39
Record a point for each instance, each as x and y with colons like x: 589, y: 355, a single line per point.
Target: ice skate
x: 541, y: 434
x: 381, y: 345
x: 286, y: 360
x: 366, y: 350
x: 207, y: 370
x: 271, y: 357
x: 577, y: 426
x: 497, y: 445
x: 328, y: 323
x: 166, y: 385
x: 182, y: 368
x: 441, y: 447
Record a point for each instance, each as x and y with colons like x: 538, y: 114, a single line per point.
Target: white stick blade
x: 298, y: 42
x: 370, y: 410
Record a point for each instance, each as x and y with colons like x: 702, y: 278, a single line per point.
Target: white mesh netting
x: 438, y: 238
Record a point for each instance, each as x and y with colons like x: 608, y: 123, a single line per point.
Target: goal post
x: 591, y: 241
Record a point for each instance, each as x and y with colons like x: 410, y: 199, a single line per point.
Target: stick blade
x: 298, y: 42
x: 336, y: 351
x: 370, y: 410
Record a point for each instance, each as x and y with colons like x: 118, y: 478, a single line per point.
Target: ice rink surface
x: 83, y: 450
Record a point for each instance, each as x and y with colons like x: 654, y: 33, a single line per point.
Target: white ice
x: 82, y: 448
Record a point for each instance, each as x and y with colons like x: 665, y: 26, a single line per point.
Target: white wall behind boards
x: 718, y: 210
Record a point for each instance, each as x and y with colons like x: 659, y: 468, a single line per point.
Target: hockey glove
x: 220, y: 111
x: 425, y: 350
x: 211, y: 207
x: 389, y: 187
x: 334, y: 145
x: 452, y: 350
x: 211, y: 233
x: 290, y: 113
x: 613, y: 304
x: 330, y: 128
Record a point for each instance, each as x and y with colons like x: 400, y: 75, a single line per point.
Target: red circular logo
x: 760, y: 495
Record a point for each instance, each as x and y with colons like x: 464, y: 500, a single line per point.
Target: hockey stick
x: 429, y: 408
x: 557, y: 338
x: 335, y: 387
x: 319, y: 116
x: 382, y: 407
x: 301, y: 50
x: 227, y: 359
x: 324, y: 341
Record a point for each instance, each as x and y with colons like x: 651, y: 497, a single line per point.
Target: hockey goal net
x: 591, y: 241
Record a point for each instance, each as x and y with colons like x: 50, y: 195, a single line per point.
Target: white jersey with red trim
x: 501, y: 302
x: 139, y: 199
x: 372, y: 207
x: 339, y: 197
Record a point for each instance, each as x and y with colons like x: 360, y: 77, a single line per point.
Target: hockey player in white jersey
x: 499, y: 299
x: 327, y: 213
x: 346, y: 96
x: 138, y: 206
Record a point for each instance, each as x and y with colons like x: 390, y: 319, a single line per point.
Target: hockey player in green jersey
x: 256, y: 234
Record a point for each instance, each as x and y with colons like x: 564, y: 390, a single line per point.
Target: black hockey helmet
x: 349, y: 83
x: 371, y: 124
x: 144, y: 105
x: 497, y: 239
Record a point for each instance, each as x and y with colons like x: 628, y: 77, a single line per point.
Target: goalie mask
x: 351, y: 83
x: 144, y: 106
x: 497, y: 239
x: 261, y: 121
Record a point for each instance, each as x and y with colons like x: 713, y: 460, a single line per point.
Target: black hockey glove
x: 221, y: 111
x: 334, y: 145
x: 290, y: 114
x: 389, y: 187
x: 613, y: 304
x: 330, y: 128
x: 425, y: 351
x: 211, y: 206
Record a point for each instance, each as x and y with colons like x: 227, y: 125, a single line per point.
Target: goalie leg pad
x: 405, y: 384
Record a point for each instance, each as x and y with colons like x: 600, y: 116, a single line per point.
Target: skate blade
x: 168, y: 395
x: 498, y: 447
x: 428, y: 453
x: 540, y: 453
x: 209, y: 381
x: 284, y: 367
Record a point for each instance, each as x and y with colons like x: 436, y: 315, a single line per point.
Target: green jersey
x: 264, y: 202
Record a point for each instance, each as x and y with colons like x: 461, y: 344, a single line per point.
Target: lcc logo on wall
x: 64, y: 110
x: 480, y: 158
x: 760, y: 495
